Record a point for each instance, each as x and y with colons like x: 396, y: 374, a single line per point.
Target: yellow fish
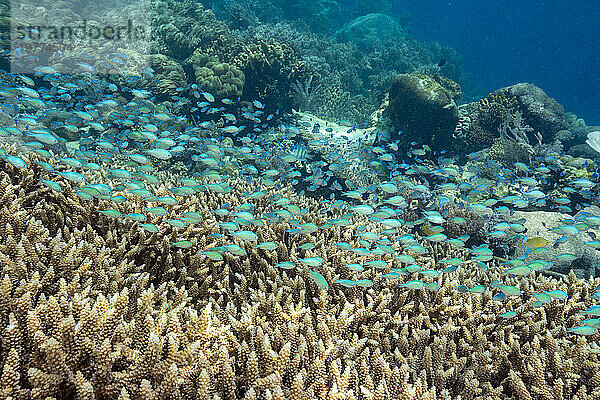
x: 535, y: 243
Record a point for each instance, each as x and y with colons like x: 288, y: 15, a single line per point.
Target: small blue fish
x: 319, y: 280
x: 52, y: 185
x: 285, y: 265
x: 584, y: 330
x: 16, y: 162
x: 508, y: 315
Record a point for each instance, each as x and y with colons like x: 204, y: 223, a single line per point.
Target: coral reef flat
x: 285, y: 200
x: 99, y: 308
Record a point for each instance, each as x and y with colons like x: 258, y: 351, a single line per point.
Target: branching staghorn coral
x: 95, y: 308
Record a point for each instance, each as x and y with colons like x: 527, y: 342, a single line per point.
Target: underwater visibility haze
x: 242, y: 199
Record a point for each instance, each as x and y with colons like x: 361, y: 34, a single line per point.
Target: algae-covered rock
x: 583, y: 150
x: 424, y: 109
x: 218, y: 78
x: 481, y: 122
x: 540, y: 111
x: 539, y: 223
x: 369, y: 28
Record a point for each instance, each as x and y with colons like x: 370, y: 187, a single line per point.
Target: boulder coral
x: 218, y: 78
x: 424, y: 109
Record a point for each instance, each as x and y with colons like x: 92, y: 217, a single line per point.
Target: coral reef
x: 585, y: 258
x: 272, y: 67
x: 424, y: 109
x: 180, y: 27
x: 168, y: 76
x: 508, y: 152
x: 305, y: 94
x: 540, y: 111
x: 354, y: 80
x: 368, y: 29
x: 5, y: 24
x: 94, y: 307
x: 218, y: 78
x: 481, y: 123
x: 320, y: 15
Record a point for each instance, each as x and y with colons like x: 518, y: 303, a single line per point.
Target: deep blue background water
x: 554, y: 44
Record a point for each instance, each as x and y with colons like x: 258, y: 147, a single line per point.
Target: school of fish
x: 124, y: 140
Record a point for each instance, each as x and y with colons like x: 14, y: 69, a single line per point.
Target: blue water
x: 554, y: 44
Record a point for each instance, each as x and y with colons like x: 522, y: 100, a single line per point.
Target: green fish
x: 52, y: 185
x: 312, y: 261
x: 405, y: 258
x: 319, y: 280
x: 452, y: 261
x: 343, y: 245
x: 118, y: 199
x: 346, y: 282
x: 176, y: 223
x: 355, y: 267
x: 45, y: 166
x: 285, y: 265
x: 361, y: 251
x: 566, y: 257
x: 307, y: 246
x: 213, y: 255
x: 150, y: 227
x: 16, y: 162
x: 413, y: 268
x: 543, y: 297
x: 143, y: 193
x: 183, y: 244
x: 378, y: 264
x: 558, y: 294
x: 230, y: 226
x: 414, y: 285
x: 84, y: 196
x: 111, y: 213
x: 193, y: 215
x: 363, y: 209
x: 418, y: 248
x: 364, y: 283
x: 508, y: 315
x: 136, y: 217
x: 431, y: 273
x: 477, y: 289
x: 267, y: 246
x: 510, y: 290
x: 519, y: 270
x: 433, y: 287
x: 158, y: 211
x: 593, y: 322
x: 235, y: 250
x: 308, y: 228
x: 583, y: 330
x: 167, y: 200
x: 247, y: 236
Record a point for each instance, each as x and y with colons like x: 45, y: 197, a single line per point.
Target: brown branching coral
x: 96, y: 308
